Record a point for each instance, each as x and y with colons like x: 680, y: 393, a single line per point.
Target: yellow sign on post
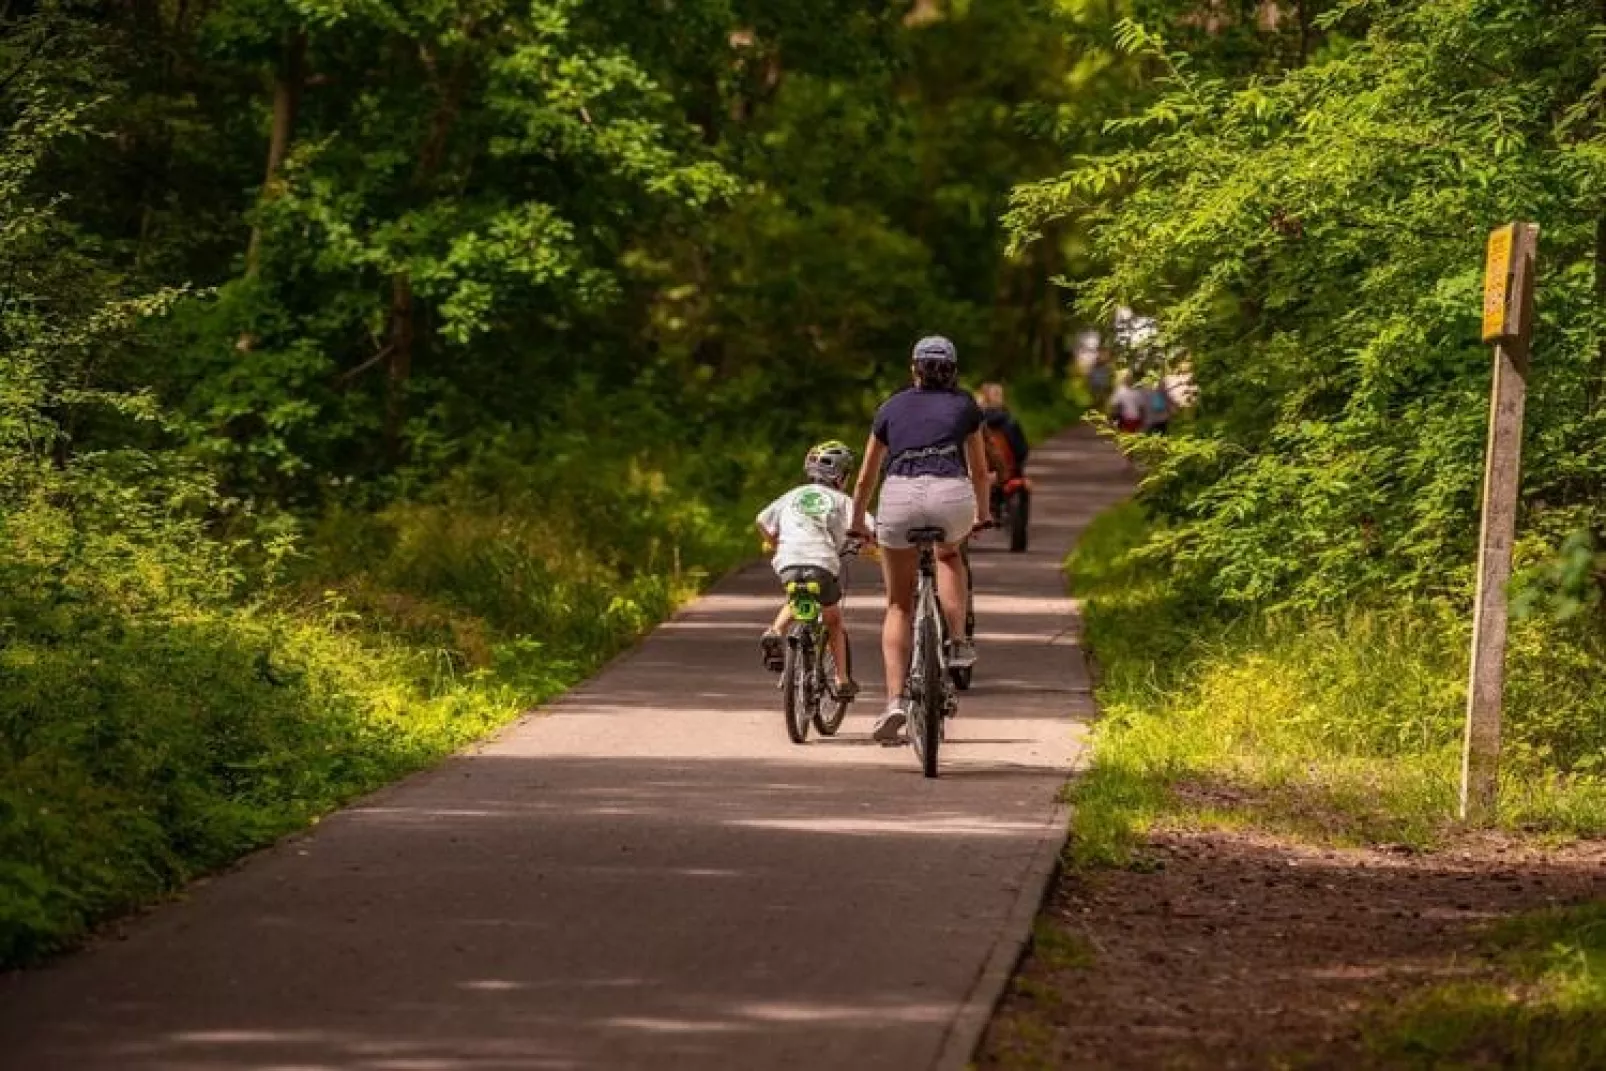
x: 1497, y: 282
x: 1508, y: 285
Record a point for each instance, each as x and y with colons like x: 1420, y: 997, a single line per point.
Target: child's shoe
x: 772, y: 646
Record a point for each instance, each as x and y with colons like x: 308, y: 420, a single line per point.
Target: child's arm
x: 768, y: 523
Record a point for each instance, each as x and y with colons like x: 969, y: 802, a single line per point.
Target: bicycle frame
x: 928, y: 685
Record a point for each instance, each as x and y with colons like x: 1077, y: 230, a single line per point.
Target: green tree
x: 1312, y: 239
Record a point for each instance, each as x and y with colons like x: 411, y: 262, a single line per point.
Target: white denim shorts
x: 945, y: 502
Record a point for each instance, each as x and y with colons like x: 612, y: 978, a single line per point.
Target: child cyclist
x: 808, y: 526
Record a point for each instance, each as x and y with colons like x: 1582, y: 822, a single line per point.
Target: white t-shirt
x: 811, y: 523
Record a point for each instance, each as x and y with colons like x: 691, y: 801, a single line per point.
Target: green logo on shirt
x: 812, y: 503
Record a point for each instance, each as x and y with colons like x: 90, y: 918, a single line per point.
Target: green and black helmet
x: 829, y: 463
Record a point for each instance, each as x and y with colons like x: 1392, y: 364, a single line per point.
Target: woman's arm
x: 976, y: 458
x: 869, y: 475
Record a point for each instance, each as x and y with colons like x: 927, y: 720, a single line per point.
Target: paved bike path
x: 645, y: 874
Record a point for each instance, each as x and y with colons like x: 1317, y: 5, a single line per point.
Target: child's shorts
x: 830, y: 587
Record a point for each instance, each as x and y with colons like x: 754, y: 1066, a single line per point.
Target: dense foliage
x: 1308, y: 228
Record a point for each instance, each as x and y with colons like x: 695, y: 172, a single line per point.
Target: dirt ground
x: 1241, y: 950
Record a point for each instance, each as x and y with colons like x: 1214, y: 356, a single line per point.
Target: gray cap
x: 935, y: 348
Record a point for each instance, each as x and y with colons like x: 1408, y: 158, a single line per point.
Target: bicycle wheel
x: 915, y: 689
x: 797, y: 683
x: 1020, y: 517
x: 833, y: 710
x: 925, y: 720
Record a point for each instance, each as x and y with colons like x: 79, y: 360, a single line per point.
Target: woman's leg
x: 898, y: 571
x: 837, y: 638
x: 953, y: 588
x: 954, y: 507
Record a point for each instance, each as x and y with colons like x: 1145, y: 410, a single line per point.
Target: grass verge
x: 1344, y: 729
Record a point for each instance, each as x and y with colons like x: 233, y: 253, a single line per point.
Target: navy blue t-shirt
x: 925, y: 431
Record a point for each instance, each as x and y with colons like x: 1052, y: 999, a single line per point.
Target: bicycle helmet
x: 829, y: 462
x: 936, y: 362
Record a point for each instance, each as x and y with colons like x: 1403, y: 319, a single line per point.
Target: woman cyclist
x: 928, y: 440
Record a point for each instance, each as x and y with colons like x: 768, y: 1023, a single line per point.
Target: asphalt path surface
x: 646, y: 873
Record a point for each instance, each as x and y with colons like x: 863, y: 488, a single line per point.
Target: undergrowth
x: 1344, y: 728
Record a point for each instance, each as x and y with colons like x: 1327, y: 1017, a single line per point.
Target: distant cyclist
x: 1006, y: 444
x: 1127, y: 405
x: 928, y: 439
x: 808, y: 526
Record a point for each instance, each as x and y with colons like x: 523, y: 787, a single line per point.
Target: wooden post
x: 1508, y: 323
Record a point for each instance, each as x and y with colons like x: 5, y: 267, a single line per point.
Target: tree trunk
x: 288, y: 82
x: 400, y: 366
x: 403, y: 329
x: 1050, y: 320
x: 1597, y: 382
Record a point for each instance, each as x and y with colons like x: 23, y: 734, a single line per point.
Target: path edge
x: 969, y: 1025
x: 1014, y: 939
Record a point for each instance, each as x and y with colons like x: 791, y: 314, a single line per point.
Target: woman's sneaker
x: 774, y: 651
x: 890, y: 724
x: 961, y: 654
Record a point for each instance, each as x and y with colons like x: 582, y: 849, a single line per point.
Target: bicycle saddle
x: 928, y: 535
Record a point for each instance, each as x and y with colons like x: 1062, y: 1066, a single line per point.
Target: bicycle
x: 810, y: 667
x: 929, y: 685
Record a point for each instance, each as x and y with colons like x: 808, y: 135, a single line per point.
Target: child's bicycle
x: 807, y: 695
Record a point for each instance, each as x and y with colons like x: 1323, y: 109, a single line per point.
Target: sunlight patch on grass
x: 1342, y: 730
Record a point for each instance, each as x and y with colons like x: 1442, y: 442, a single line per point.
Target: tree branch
x: 347, y: 376
x: 27, y: 61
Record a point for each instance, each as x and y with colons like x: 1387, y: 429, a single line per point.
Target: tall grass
x: 1341, y: 727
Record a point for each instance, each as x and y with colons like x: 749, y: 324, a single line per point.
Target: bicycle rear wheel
x: 925, y: 720
x: 1020, y: 519
x: 797, y: 686
x: 832, y: 710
